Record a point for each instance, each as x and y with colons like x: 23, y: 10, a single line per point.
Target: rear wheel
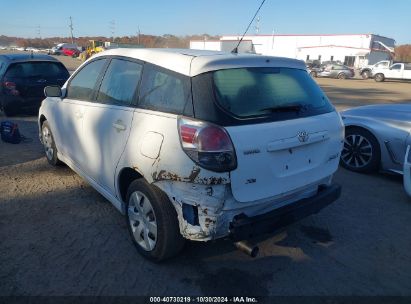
x: 361, y: 151
x: 152, y: 222
x: 379, y: 77
x: 342, y: 76
x: 9, y: 111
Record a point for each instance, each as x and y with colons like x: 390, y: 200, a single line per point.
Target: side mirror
x: 52, y: 91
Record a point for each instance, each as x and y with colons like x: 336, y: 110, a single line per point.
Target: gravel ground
x: 58, y: 236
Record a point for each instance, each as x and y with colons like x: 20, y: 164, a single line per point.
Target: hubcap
x: 357, y: 151
x: 48, y: 143
x: 142, y: 220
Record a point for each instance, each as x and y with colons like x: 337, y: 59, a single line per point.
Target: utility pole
x: 138, y: 36
x: 71, y: 30
x: 38, y: 31
x: 113, y: 28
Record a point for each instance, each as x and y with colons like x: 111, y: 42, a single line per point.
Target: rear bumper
x: 243, y: 227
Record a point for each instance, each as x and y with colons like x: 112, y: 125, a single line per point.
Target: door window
x: 82, y: 86
x: 396, y: 67
x: 120, y: 82
x: 165, y: 91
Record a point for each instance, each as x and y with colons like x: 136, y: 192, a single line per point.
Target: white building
x: 354, y: 50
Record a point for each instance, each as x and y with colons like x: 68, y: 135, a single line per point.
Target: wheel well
x: 42, y: 119
x: 366, y: 130
x: 125, y: 178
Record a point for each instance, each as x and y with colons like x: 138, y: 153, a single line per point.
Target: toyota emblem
x: 303, y: 136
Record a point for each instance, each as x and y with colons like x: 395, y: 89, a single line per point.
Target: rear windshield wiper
x: 287, y: 108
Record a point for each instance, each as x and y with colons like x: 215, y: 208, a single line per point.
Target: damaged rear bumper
x: 243, y: 227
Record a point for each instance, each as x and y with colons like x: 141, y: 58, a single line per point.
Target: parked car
x: 407, y: 171
x: 58, y: 49
x: 23, y: 78
x: 398, y: 71
x: 366, y: 71
x: 376, y: 137
x: 70, y: 52
x: 337, y: 71
x: 196, y: 145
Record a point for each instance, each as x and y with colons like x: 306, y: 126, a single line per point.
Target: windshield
x: 248, y: 92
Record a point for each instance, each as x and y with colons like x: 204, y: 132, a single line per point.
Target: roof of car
x: 27, y: 57
x: 194, y: 62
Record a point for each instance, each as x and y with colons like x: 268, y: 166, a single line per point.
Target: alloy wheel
x: 357, y: 151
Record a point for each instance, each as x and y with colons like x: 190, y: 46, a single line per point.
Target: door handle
x: 119, y: 126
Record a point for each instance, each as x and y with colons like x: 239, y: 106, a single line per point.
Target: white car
x: 196, y: 145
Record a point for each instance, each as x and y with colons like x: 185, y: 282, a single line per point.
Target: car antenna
x: 235, y: 50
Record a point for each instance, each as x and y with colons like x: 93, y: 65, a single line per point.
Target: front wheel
x: 152, y: 222
x: 365, y: 74
x: 342, y: 76
x: 49, y: 144
x: 361, y: 151
x: 379, y: 77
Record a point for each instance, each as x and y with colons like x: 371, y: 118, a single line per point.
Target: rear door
x: 107, y: 121
x: 301, y: 144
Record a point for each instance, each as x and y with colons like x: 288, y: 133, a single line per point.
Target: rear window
x: 37, y: 69
x: 251, y: 92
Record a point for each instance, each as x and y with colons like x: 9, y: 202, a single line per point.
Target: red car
x: 71, y: 52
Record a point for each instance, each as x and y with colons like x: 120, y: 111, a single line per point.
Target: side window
x: 82, y: 85
x: 396, y: 67
x: 120, y: 82
x: 165, y: 91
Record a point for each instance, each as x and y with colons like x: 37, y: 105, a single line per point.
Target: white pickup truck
x: 366, y: 71
x: 400, y: 71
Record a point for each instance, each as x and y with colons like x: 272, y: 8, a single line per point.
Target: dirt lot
x: 58, y: 236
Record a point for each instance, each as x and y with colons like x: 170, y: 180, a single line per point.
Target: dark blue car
x: 23, y: 78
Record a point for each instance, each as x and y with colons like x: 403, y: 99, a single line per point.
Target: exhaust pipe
x: 247, y: 248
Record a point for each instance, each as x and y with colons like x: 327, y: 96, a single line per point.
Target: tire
x: 379, y: 77
x: 9, y: 111
x: 342, y: 76
x: 365, y: 75
x: 156, y: 234
x: 361, y: 151
x: 49, y: 144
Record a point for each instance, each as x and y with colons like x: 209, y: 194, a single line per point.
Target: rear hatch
x: 31, y: 78
x: 287, y: 134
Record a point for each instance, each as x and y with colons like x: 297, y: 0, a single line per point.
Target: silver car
x: 376, y: 137
x: 336, y: 71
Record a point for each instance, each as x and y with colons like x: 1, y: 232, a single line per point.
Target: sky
x: 46, y: 18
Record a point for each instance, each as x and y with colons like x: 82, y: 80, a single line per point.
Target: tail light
x: 10, y: 88
x: 208, y: 145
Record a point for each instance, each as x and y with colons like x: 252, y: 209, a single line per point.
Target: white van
x: 196, y: 145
